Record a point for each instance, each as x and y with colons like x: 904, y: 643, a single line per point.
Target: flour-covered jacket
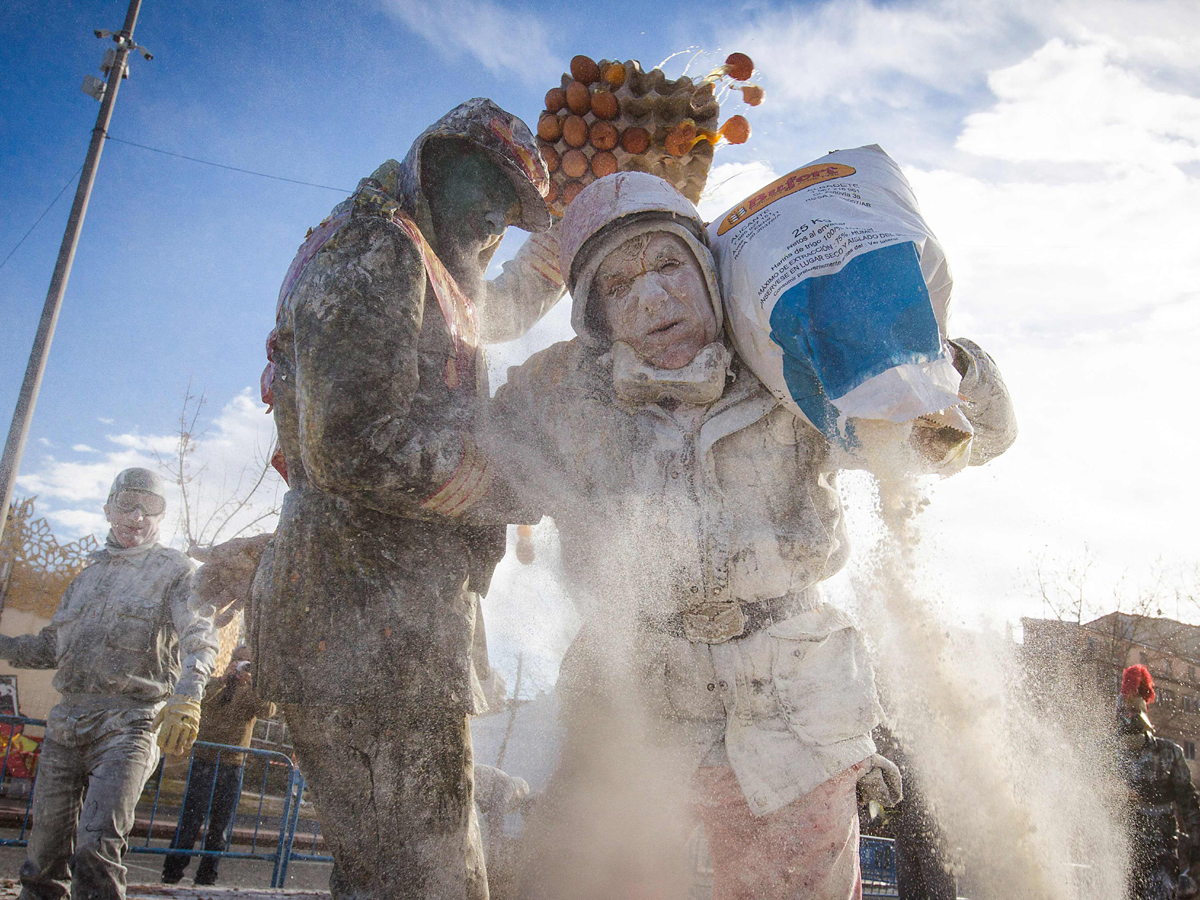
x: 376, y: 386
x: 125, y: 633
x: 681, y: 521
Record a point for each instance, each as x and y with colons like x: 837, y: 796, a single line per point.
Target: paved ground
x: 10, y: 889
x: 146, y: 868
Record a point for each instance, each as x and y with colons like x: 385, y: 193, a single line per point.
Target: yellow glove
x: 180, y: 721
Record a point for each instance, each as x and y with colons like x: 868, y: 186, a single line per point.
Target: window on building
x: 1091, y: 645
x: 1191, y: 673
x: 1167, y: 667
x: 1189, y: 750
x: 1143, y: 658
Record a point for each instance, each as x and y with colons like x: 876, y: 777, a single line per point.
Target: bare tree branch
x: 208, y: 513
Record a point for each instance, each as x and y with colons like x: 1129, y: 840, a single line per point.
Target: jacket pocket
x: 134, y: 626
x: 689, y: 682
x: 823, y: 677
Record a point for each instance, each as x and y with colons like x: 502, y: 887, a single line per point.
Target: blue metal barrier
x: 269, y: 758
x: 877, y: 859
x: 278, y: 836
x: 294, y: 826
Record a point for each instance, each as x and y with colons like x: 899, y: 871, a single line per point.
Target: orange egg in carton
x: 612, y: 116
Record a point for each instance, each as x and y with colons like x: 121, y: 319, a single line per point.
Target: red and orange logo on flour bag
x: 782, y: 187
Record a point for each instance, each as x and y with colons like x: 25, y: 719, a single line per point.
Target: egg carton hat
x: 613, y: 210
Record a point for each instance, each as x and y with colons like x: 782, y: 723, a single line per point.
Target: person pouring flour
x: 698, y: 516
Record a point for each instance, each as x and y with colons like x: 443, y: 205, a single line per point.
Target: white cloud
x: 1067, y: 258
x: 894, y: 55
x: 79, y: 521
x: 83, y: 448
x: 1053, y: 146
x: 228, y: 456
x: 859, y: 52
x: 501, y: 39
x: 1080, y: 104
x: 1085, y: 284
x: 145, y: 443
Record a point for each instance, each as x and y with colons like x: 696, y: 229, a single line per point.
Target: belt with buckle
x: 716, y: 623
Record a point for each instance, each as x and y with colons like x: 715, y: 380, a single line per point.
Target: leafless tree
x: 1094, y: 634
x: 213, y: 512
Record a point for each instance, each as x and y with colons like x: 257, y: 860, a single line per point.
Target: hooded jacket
x: 698, y: 535
x: 377, y: 378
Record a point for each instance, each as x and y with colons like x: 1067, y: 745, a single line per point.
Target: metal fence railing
x: 265, y: 811
x: 877, y: 859
x: 294, y: 831
x: 267, y: 819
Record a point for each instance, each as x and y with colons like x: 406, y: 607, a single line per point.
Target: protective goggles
x: 149, y: 504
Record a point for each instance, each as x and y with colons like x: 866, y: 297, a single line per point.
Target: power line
x: 70, y: 181
x: 230, y: 168
x: 194, y: 159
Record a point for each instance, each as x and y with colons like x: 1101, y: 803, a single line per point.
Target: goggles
x: 149, y: 504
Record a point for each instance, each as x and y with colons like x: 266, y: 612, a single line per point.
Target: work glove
x: 496, y: 790
x: 881, y: 784
x: 178, y: 724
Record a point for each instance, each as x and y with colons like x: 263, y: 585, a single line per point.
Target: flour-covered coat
x: 1164, y: 819
x: 126, y: 632
x: 667, y: 510
x: 364, y: 611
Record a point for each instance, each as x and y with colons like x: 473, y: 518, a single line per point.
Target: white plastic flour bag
x: 837, y: 292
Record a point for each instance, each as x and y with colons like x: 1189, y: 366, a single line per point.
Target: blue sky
x: 1055, y: 147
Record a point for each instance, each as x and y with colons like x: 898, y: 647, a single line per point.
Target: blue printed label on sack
x: 837, y: 331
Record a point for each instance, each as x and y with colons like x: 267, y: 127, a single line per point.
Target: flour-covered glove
x: 178, y: 723
x: 882, y: 782
x: 496, y: 790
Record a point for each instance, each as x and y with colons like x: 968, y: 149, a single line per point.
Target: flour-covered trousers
x: 808, y: 850
x: 394, y: 794
x: 113, y: 752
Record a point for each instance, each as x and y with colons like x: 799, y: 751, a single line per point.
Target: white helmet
x: 613, y: 210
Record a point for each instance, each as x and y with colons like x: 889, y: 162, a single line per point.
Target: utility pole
x: 115, y: 61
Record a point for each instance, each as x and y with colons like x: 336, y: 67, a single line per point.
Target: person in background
x: 1162, y: 799
x: 227, y: 716
x: 924, y: 869
x: 133, y: 653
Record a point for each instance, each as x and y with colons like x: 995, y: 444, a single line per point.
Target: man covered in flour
x: 133, y: 650
x: 697, y: 517
x: 365, y: 607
